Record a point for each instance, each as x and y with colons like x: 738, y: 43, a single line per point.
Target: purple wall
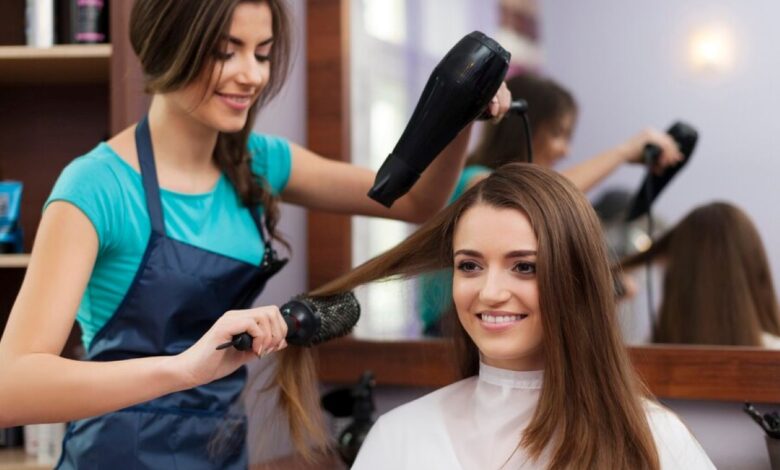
x: 626, y: 63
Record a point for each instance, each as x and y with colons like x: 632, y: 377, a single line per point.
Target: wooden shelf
x: 16, y: 459
x: 670, y: 371
x: 74, y: 63
x: 14, y: 261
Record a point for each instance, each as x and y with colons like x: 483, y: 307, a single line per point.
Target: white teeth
x: 501, y: 318
x: 237, y: 98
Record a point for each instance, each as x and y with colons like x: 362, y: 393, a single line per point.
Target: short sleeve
x: 271, y: 160
x: 90, y: 184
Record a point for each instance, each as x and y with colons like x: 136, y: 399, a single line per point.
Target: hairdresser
x: 157, y: 240
x: 552, y: 114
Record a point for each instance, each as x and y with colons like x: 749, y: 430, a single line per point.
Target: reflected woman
x: 718, y: 286
x: 546, y: 379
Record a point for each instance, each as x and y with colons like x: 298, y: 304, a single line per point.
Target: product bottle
x: 90, y: 21
x: 39, y: 27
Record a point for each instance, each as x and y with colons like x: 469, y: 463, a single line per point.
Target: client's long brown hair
x: 590, y: 413
x: 718, y: 287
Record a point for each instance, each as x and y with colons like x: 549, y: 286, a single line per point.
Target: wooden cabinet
x: 56, y: 104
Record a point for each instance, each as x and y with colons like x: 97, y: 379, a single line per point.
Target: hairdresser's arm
x: 330, y: 185
x: 587, y: 174
x: 37, y: 385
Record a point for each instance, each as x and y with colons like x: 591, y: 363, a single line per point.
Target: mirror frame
x: 670, y: 371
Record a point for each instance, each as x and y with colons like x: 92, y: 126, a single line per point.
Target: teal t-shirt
x: 110, y: 193
x: 434, y: 293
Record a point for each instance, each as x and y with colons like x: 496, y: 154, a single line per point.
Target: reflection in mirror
x: 709, y: 63
x: 717, y: 286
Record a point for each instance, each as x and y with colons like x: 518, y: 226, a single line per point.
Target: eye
x: 524, y: 267
x: 262, y: 58
x: 223, y: 55
x: 467, y: 266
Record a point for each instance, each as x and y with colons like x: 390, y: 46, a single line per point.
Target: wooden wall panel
x: 327, y: 88
x: 692, y: 372
x: 128, y: 100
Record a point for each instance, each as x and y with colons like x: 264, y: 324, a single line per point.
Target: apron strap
x: 254, y: 211
x: 143, y: 143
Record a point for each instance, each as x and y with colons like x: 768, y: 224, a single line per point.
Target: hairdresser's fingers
x: 670, y: 153
x: 265, y: 321
x: 272, y: 323
x: 634, y: 148
x: 500, y: 103
x: 630, y: 288
x: 278, y: 330
x: 262, y: 329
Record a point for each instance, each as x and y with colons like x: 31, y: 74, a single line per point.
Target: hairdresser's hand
x: 499, y: 105
x: 670, y: 153
x: 202, y: 363
x: 628, y: 287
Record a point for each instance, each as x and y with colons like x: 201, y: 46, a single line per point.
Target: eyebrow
x: 511, y: 254
x: 238, y: 42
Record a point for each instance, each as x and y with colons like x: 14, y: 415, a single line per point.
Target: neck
x: 526, y: 363
x: 180, y: 140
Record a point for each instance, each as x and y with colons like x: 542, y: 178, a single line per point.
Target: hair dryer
x: 685, y: 136
x: 458, y: 91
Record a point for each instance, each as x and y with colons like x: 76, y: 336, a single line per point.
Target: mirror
x: 706, y: 64
x: 705, y: 385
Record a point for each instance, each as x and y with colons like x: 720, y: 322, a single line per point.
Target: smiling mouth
x: 238, y: 99
x: 500, y: 319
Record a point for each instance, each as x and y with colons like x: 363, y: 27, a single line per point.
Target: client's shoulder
x: 425, y: 410
x: 676, y: 445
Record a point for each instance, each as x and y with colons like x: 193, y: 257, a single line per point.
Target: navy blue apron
x: 178, y: 293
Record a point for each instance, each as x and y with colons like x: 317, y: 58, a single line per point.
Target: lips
x: 236, y: 101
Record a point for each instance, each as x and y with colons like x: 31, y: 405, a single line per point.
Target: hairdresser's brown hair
x: 504, y: 142
x: 590, y: 413
x: 177, y: 42
x: 718, y: 287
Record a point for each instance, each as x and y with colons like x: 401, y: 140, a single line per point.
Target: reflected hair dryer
x: 686, y: 137
x: 457, y: 92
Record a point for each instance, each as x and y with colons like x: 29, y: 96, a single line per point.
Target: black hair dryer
x: 686, y: 137
x: 458, y: 91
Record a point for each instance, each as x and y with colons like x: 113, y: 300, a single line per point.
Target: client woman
x: 547, y: 382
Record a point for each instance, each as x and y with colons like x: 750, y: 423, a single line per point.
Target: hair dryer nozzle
x: 457, y: 92
x: 393, y: 180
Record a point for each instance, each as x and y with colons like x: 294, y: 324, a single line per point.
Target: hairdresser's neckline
x: 530, y: 379
x: 137, y: 175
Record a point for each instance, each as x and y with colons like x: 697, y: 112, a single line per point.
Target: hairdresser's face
x: 240, y: 72
x: 551, y: 144
x: 494, y: 286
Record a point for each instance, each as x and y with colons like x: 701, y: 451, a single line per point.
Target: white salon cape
x: 476, y: 424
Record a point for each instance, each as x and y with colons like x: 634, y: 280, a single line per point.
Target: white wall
x: 286, y: 116
x: 627, y: 65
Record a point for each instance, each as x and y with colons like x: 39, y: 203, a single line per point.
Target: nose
x: 253, y: 72
x: 562, y: 149
x: 494, y: 291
